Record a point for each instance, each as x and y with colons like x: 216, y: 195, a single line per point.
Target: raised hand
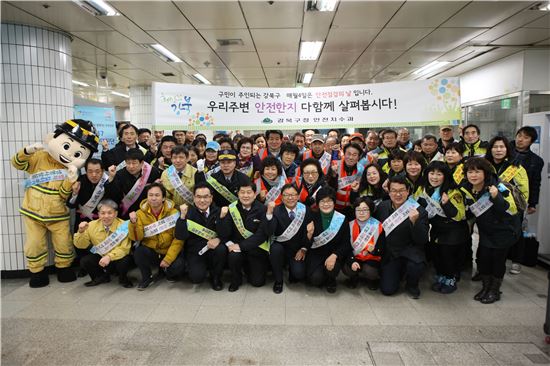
x: 31, y: 149
x: 133, y: 217
x: 184, y: 208
x: 112, y: 173
x: 76, y: 188
x: 83, y: 226
x: 72, y: 174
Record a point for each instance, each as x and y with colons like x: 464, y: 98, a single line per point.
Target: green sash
x: 221, y: 189
x: 200, y: 230
x: 238, y: 220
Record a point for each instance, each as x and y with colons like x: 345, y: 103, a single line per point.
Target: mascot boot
x: 39, y: 279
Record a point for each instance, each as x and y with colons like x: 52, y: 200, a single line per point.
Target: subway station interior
x: 59, y: 54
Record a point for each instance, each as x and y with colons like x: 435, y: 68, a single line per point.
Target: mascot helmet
x: 81, y: 130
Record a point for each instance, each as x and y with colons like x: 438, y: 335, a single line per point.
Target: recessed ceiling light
x: 321, y: 5
x: 310, y: 50
x: 202, y: 79
x: 76, y: 82
x: 432, y: 66
x: 120, y: 94
x: 307, y: 78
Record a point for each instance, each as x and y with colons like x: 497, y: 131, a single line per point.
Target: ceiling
x: 365, y: 41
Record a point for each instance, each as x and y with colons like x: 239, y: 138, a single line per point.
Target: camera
x: 103, y: 74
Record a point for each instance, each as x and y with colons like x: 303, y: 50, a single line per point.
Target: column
x: 141, y: 107
x: 36, y: 95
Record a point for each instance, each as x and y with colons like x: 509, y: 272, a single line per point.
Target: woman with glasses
x: 292, y: 229
x: 449, y: 229
x: 367, y: 241
x: 310, y: 181
x: 244, y: 158
x: 329, y: 247
x: 370, y: 185
x: 498, y: 222
x: 406, y: 227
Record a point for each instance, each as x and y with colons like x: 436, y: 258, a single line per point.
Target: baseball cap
x: 446, y: 127
x: 317, y: 137
x: 357, y: 135
x: 213, y: 145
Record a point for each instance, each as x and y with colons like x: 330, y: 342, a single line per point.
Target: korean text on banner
x: 201, y: 107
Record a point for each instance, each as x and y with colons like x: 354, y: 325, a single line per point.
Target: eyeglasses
x: 203, y: 197
x: 326, y: 202
x: 290, y: 195
x: 400, y: 191
x: 313, y: 172
x: 362, y: 210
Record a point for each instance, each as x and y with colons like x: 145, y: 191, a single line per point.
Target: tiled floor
x: 69, y: 324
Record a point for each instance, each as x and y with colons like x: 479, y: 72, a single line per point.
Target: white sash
x: 330, y: 232
x: 481, y: 205
x: 325, y: 160
x: 370, y: 230
x: 178, y: 185
x: 438, y: 157
x: 433, y: 207
x: 294, y: 226
x: 136, y: 190
x: 399, y: 215
x: 88, y: 208
x: 247, y: 170
x: 160, y: 226
x: 275, y: 191
x: 212, y: 171
x: 45, y: 177
x: 121, y: 166
x: 112, y: 240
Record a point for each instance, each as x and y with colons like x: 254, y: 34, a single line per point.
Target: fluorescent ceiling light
x: 307, y: 78
x: 120, y: 94
x: 80, y: 83
x: 165, y: 52
x: 430, y: 67
x: 310, y: 50
x: 98, y: 7
x: 545, y: 7
x: 202, y: 79
x: 324, y: 5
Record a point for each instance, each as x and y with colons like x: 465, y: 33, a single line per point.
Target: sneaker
x: 144, y: 284
x: 448, y: 285
x: 516, y: 269
x: 436, y: 286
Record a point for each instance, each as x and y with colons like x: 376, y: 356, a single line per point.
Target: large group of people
x: 377, y: 206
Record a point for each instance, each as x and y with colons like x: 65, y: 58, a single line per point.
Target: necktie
x: 291, y: 215
x: 205, y: 213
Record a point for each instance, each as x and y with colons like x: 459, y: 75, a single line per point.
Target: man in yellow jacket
x: 108, y: 237
x: 53, y: 168
x: 153, y: 225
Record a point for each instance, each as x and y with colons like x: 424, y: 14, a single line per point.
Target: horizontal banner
x: 201, y: 107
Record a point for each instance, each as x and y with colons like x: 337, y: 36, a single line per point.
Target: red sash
x: 364, y: 255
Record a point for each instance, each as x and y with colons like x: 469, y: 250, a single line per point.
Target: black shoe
x: 98, y: 281
x: 352, y: 282
x: 331, y: 285
x: 173, y: 279
x: 125, y: 282
x: 413, y: 291
x: 144, y: 284
x: 233, y: 287
x: 476, y: 277
x: 292, y: 279
x: 278, y: 287
x: 486, y: 283
x: 217, y: 284
x: 82, y: 273
x: 373, y: 285
x: 65, y: 275
x: 39, y: 279
x: 494, y: 291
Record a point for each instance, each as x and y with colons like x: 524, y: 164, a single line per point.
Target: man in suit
x: 292, y: 227
x: 198, y: 227
x: 406, y: 227
x: 127, y: 186
x: 245, y: 237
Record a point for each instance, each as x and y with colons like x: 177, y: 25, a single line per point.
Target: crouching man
x: 110, y: 246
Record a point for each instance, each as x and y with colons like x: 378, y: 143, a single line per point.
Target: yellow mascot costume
x: 53, y: 168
